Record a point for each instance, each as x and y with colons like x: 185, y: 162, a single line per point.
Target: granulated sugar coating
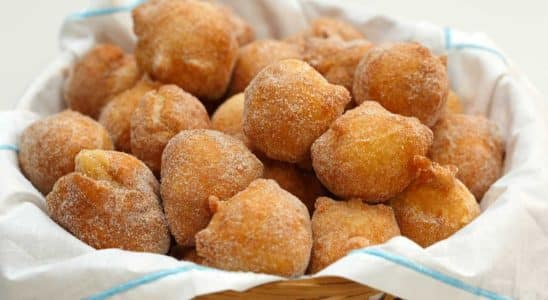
x: 368, y: 153
x: 116, y: 115
x: 101, y: 74
x: 197, y: 164
x: 161, y: 115
x: 253, y: 57
x: 189, y: 43
x: 48, y: 147
x: 228, y: 118
x: 339, y: 227
x: 435, y: 205
x: 302, y: 184
x: 261, y: 229
x: 111, y: 201
x: 405, y: 78
x: 474, y: 145
x: 288, y: 105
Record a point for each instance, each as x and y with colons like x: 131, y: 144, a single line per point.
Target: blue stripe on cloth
x: 448, y: 37
x: 104, y: 11
x: 124, y: 287
x: 454, y: 282
x: 9, y: 147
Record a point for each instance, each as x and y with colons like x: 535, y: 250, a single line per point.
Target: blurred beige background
x: 29, y: 28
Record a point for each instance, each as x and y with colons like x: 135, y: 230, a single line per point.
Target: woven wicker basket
x: 310, y: 288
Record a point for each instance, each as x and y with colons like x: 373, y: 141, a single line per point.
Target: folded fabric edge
x: 390, y: 257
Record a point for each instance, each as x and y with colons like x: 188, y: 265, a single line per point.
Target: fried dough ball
x: 339, y: 227
x: 243, y: 31
x: 261, y: 229
x: 474, y: 145
x: 186, y: 253
x: 253, y: 57
x: 288, y: 106
x: 435, y: 205
x: 48, y: 147
x: 228, y: 118
x: 336, y: 59
x: 327, y: 28
x: 186, y: 42
x: 405, y: 78
x: 454, y: 105
x: 197, y: 164
x: 101, y: 74
x: 368, y: 153
x: 303, y: 185
x: 161, y: 115
x: 110, y: 201
x: 116, y: 115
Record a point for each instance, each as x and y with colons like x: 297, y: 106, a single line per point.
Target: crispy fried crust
x: 48, y: 146
x: 197, y: 164
x: 110, y: 201
x: 435, y: 205
x: 96, y: 78
x: 474, y: 145
x: 288, y: 105
x: 368, y: 153
x: 262, y: 229
x: 405, y: 78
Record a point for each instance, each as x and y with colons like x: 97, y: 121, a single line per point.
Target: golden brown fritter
x: 474, y: 145
x: 261, y: 229
x: 197, y: 164
x: 339, y: 227
x: 101, y: 74
x: 228, y: 118
x: 253, y: 57
x: 335, y: 59
x: 161, y: 115
x: 405, y: 78
x: 116, y: 115
x: 302, y: 184
x: 368, y: 153
x: 288, y: 105
x: 186, y: 42
x: 110, y: 201
x: 48, y: 146
x: 435, y: 205
x: 327, y: 28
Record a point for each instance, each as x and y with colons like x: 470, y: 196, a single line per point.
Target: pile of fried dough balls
x: 273, y: 156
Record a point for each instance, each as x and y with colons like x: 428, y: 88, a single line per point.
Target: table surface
x: 29, y: 36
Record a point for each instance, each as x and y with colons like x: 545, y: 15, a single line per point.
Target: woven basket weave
x: 310, y: 288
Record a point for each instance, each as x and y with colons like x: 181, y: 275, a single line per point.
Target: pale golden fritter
x: 186, y: 42
x: 339, y: 227
x: 48, y: 147
x: 116, y: 115
x: 228, y: 118
x: 474, y: 145
x: 110, y: 201
x: 197, y: 164
x: 101, y: 74
x: 253, y: 57
x: 261, y: 229
x: 288, y: 105
x: 368, y: 153
x: 159, y: 116
x: 435, y: 205
x: 405, y: 78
